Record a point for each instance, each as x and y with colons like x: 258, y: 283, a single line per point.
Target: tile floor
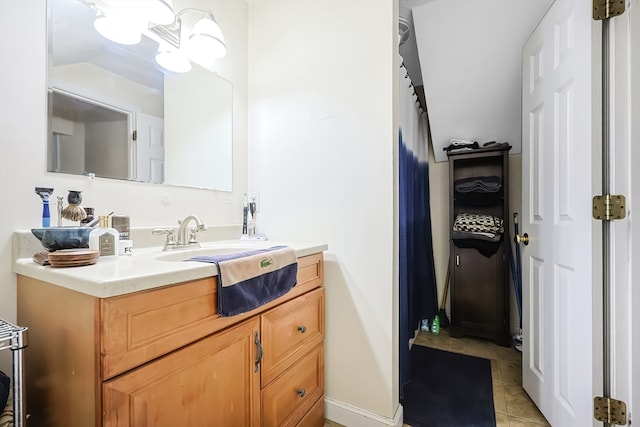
x: 512, y: 405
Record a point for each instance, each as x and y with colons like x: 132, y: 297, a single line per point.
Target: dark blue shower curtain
x: 417, y: 281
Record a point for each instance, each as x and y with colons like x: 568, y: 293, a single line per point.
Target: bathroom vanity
x: 112, y: 345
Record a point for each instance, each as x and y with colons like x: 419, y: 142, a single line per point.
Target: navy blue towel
x: 247, y: 280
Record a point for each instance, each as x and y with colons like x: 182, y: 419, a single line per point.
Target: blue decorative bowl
x: 55, y: 238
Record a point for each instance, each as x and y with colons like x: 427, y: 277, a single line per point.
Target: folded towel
x: 247, y: 280
x: 478, y: 223
x: 482, y: 184
x: 457, y: 145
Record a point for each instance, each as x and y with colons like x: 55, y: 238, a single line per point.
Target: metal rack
x: 14, y: 338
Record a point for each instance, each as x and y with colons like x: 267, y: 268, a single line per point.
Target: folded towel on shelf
x: 247, y: 280
x: 457, y: 145
x: 488, y: 237
x: 495, y: 144
x: 479, y: 231
x: 478, y: 223
x: 461, y: 142
x: 481, y: 184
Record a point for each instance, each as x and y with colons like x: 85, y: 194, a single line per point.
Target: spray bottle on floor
x: 435, y: 325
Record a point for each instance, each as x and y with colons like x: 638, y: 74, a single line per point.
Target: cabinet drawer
x: 315, y: 416
x: 310, y: 270
x: 288, y: 399
x: 289, y: 331
x: 138, y: 327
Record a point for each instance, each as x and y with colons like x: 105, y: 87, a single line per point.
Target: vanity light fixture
x: 206, y: 37
x: 173, y: 59
x: 118, y: 28
x: 124, y: 22
x: 205, y: 43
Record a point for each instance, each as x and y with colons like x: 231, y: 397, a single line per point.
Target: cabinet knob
x: 301, y: 392
x: 302, y: 329
x: 524, y: 239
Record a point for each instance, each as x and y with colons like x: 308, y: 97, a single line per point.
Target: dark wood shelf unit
x: 480, y: 284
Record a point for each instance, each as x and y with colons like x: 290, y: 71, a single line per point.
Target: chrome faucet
x: 192, y: 240
x: 182, y: 241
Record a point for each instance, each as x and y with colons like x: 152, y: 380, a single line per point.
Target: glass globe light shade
x: 118, y: 28
x: 173, y: 60
x: 206, y: 39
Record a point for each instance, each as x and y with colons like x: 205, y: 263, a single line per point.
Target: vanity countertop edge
x: 141, y: 271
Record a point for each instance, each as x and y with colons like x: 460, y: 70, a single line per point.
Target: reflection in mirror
x: 115, y: 113
x: 86, y: 136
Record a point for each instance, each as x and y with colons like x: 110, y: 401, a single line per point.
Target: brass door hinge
x: 134, y: 135
x: 609, y: 207
x: 605, y: 9
x: 610, y: 411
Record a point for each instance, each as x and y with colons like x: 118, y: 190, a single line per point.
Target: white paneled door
x: 149, y: 149
x: 560, y: 269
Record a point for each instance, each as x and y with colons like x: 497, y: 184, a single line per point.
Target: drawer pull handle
x: 302, y: 329
x: 256, y: 338
x: 302, y: 392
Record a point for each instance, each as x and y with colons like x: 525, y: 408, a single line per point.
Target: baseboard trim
x: 348, y: 415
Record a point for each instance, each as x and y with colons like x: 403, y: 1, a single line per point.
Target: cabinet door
x: 212, y: 382
x: 478, y: 293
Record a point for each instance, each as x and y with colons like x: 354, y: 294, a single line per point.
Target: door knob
x: 522, y: 239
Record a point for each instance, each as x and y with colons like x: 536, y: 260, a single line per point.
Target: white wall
x: 23, y: 124
x: 323, y: 143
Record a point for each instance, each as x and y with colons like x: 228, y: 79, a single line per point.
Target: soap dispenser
x: 104, y: 239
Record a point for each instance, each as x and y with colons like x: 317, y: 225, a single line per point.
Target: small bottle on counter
x: 105, y: 239
x: 121, y: 224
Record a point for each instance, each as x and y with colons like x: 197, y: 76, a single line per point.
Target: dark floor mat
x: 448, y: 390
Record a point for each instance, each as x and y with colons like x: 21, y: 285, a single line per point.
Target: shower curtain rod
x: 421, y: 108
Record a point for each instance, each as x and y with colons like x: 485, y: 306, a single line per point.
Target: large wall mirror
x: 115, y: 113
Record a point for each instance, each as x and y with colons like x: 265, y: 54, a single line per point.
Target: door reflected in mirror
x: 115, y: 113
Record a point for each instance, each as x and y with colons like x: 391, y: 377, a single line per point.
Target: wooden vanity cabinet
x: 164, y: 357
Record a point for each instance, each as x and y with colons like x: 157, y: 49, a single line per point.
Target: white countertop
x: 143, y: 270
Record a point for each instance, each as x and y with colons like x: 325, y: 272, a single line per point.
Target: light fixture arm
x: 171, y: 33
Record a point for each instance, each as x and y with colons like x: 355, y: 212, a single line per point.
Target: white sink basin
x: 184, y: 254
